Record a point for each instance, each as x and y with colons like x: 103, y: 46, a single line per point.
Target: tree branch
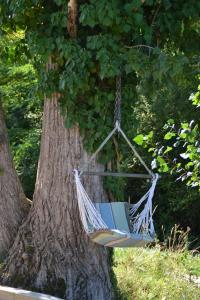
x: 72, y: 16
x: 140, y: 46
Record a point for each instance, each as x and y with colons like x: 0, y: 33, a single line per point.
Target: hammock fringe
x: 90, y: 216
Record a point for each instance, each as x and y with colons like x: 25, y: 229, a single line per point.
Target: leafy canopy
x: 153, y: 44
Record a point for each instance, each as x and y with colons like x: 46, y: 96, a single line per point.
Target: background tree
x: 13, y: 203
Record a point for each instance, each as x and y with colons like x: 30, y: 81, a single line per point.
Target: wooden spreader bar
x: 133, y: 175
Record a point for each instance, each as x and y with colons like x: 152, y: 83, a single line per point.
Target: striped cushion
x: 107, y: 237
x: 115, y: 238
x: 105, y: 210
x: 120, y: 215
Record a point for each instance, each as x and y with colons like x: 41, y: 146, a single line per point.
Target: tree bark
x: 13, y: 204
x: 52, y: 252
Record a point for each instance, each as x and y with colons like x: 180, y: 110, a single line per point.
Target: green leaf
x: 139, y: 139
x: 163, y: 165
x: 168, y: 149
x: 150, y: 135
x: 165, y: 168
x: 161, y: 160
x: 169, y: 135
x: 170, y: 122
x: 185, y: 126
x: 138, y: 18
x: 126, y: 28
x: 183, y: 135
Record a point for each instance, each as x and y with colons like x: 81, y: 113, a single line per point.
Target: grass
x: 148, y: 274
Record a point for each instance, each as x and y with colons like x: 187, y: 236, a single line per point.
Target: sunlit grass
x: 147, y: 274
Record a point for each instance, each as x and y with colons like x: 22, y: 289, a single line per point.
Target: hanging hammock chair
x: 117, y: 224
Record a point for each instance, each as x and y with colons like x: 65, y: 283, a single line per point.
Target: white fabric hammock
x: 92, y: 220
x: 141, y: 221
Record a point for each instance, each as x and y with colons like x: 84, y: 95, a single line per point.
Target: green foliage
x: 196, y: 97
x: 177, y: 152
x: 18, y: 87
x: 154, y: 274
x: 116, y: 186
x: 108, y: 42
x: 173, y: 150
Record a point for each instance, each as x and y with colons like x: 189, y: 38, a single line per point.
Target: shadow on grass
x: 118, y: 294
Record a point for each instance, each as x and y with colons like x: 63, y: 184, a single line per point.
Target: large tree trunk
x: 52, y: 252
x: 12, y: 199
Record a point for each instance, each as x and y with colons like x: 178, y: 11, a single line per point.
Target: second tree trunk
x: 13, y: 205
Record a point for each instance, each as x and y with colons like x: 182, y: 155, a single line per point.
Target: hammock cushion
x: 115, y: 215
x: 121, y: 215
x: 106, y: 213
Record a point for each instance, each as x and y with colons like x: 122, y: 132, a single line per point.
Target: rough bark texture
x: 12, y: 199
x: 51, y: 251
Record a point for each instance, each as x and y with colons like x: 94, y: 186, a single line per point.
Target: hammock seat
x: 116, y: 216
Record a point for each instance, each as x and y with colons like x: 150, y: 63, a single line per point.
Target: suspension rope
x: 118, y: 97
x: 117, y: 128
x: 97, y: 151
x: 118, y: 100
